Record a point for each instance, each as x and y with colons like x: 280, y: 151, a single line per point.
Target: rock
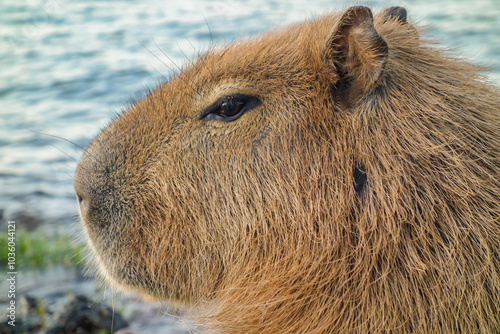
x: 83, y: 315
x: 27, y: 220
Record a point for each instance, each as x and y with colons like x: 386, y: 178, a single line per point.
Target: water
x: 67, y: 66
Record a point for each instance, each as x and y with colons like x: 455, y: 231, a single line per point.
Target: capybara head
x: 340, y: 175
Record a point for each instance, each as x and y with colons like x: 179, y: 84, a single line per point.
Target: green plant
x: 38, y: 248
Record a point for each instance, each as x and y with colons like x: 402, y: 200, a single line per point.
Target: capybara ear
x: 400, y: 15
x: 395, y: 13
x: 356, y: 50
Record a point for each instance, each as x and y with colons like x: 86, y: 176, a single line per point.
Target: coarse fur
x: 360, y: 196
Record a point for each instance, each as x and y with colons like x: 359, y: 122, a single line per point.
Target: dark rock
x: 27, y: 220
x: 33, y: 312
x: 29, y: 305
x: 84, y: 316
x: 28, y: 318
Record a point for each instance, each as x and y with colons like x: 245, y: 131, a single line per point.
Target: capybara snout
x: 340, y: 175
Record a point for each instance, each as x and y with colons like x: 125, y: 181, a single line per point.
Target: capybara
x: 340, y: 175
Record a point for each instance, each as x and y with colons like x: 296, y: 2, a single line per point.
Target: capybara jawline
x: 341, y: 175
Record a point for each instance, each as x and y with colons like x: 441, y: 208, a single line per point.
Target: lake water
x: 67, y: 66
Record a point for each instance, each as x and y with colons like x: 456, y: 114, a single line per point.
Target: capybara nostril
x: 82, y: 203
x: 79, y: 199
x: 82, y: 199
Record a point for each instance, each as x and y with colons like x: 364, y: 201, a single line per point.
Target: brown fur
x: 268, y: 221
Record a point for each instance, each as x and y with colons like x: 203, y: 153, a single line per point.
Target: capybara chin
x: 341, y: 175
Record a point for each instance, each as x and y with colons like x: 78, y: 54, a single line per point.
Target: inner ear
x: 356, y: 49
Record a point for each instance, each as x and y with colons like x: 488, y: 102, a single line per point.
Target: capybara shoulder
x: 341, y: 175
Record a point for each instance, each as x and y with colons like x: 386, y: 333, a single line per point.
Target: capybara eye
x: 230, y: 107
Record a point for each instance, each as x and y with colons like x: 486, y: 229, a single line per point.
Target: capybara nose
x: 83, y: 200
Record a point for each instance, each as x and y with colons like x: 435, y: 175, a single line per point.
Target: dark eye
x: 230, y: 107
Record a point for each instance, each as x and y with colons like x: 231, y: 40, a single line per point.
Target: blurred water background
x: 67, y: 66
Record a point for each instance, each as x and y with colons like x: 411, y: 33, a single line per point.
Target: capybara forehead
x: 285, y: 56
x: 265, y: 65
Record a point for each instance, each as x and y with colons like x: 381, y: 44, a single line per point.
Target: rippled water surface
x: 67, y: 66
